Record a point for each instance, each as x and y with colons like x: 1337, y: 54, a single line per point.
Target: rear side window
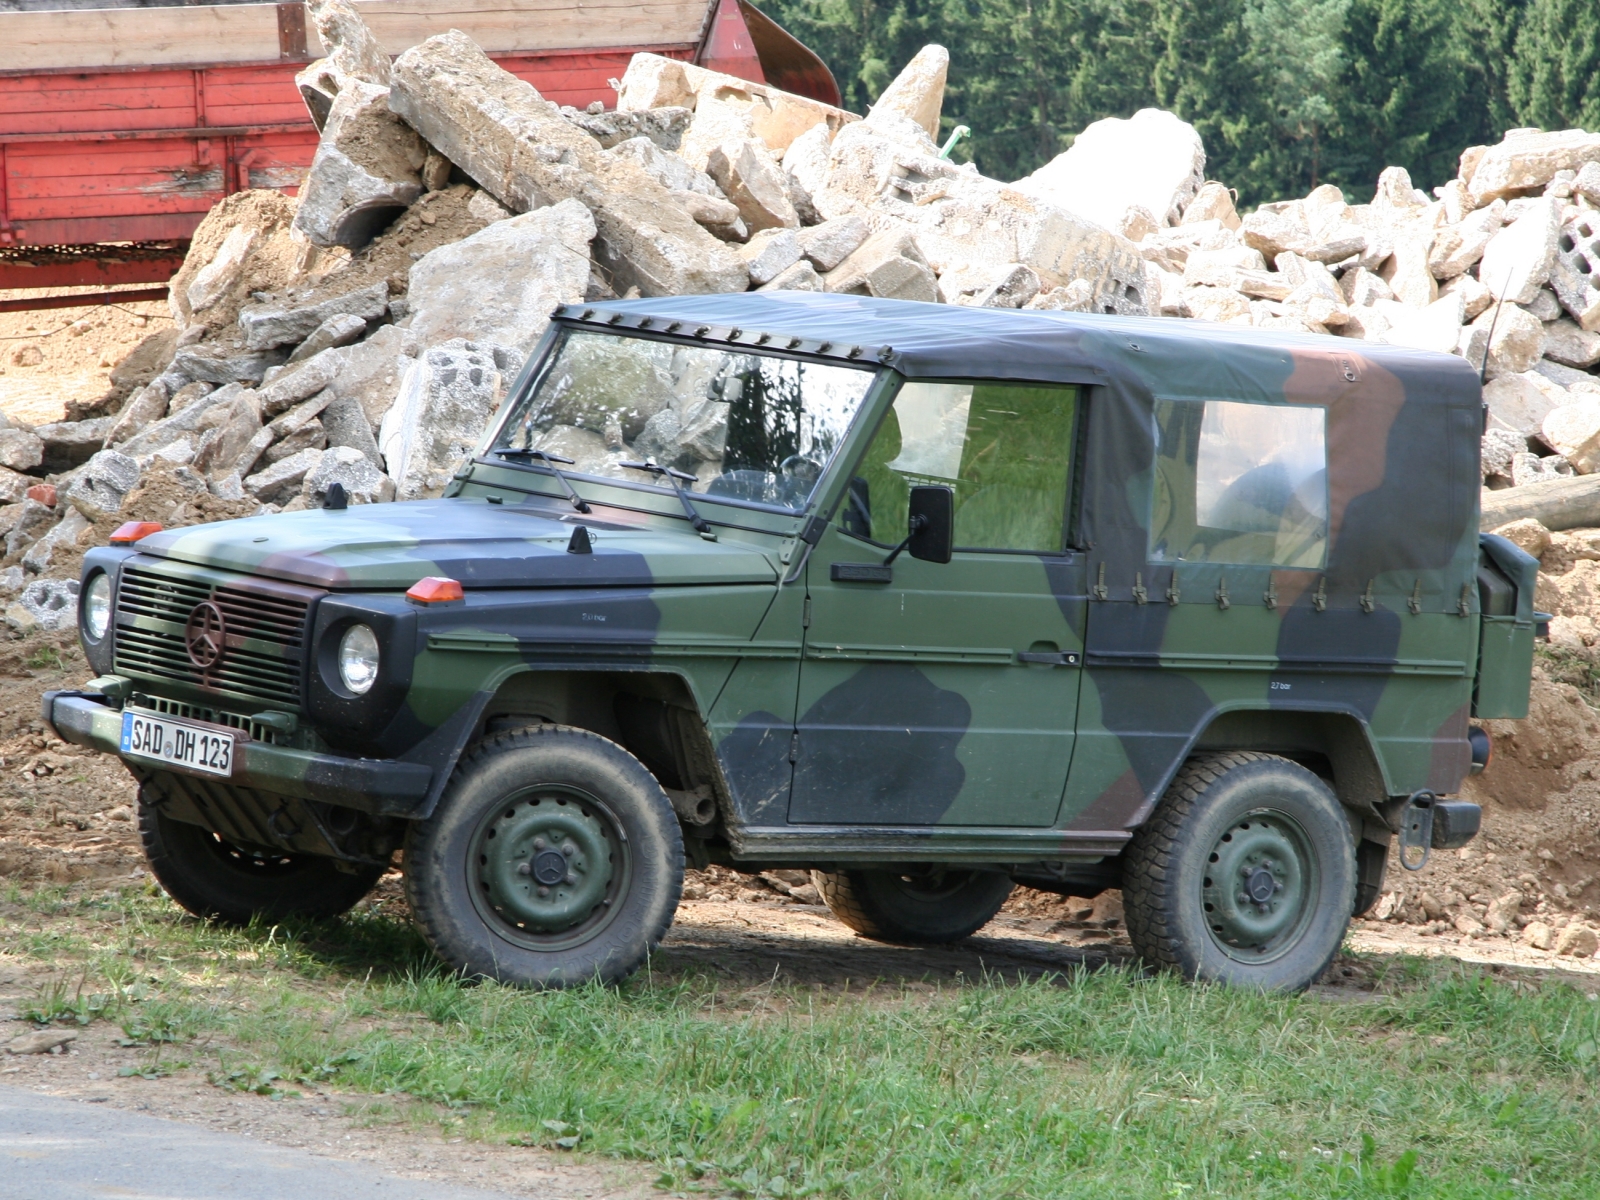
x: 1005, y: 449
x: 1240, y: 483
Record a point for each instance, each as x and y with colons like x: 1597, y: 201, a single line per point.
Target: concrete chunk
x: 373, y: 369
x: 747, y: 176
x: 830, y: 243
x: 366, y: 172
x: 1008, y: 285
x: 918, y: 91
x: 517, y: 146
x: 20, y: 450
x: 1530, y: 158
x: 363, y: 483
x: 283, y: 479
x: 335, y: 331
x: 1573, y: 431
x: 662, y: 126
x: 1571, y: 346
x: 1152, y: 160
x: 270, y: 324
x: 1519, y: 259
x: 103, y: 484
x: 1576, y: 274
x: 234, y: 368
x: 888, y: 265
x: 1457, y: 247
x: 1517, y: 342
x: 307, y: 379
x: 800, y: 277
x: 501, y: 284
x: 435, y: 422
x: 770, y: 253
x: 1517, y: 405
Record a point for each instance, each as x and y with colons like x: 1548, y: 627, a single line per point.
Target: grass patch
x: 1446, y: 1083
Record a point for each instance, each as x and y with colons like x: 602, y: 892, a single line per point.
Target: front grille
x: 265, y: 635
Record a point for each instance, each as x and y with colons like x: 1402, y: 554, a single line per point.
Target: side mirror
x: 931, y: 527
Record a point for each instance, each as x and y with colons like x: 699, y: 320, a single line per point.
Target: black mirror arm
x: 915, y: 523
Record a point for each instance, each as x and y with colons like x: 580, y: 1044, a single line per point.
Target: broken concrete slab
x: 69, y: 444
x: 1153, y: 160
x: 373, y: 369
x: 747, y: 176
x: 20, y: 450
x: 805, y: 168
x: 1565, y: 342
x: 217, y: 278
x: 272, y: 323
x: 63, y: 538
x: 666, y: 168
x: 917, y: 92
x: 265, y: 256
x: 1519, y: 258
x: 1573, y: 431
x: 1457, y: 247
x: 445, y: 400
x: 179, y: 424
x: 346, y: 425
x: 284, y: 478
x: 1213, y: 202
x: 306, y: 379
x: 1516, y: 404
x: 103, y: 484
x: 1517, y: 341
x: 335, y: 331
x: 203, y: 367
x: 354, y: 55
x: 1008, y: 285
x: 718, y: 216
x: 367, y: 170
x: 1530, y: 158
x: 308, y: 436
x: 361, y: 479
x: 501, y: 284
x: 45, y: 605
x: 830, y: 243
x: 517, y: 146
x: 799, y: 277
x: 888, y: 265
x: 14, y: 485
x: 663, y: 126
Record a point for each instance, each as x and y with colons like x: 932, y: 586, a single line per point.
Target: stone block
x: 372, y: 371
x: 220, y: 275
x: 305, y: 380
x: 1009, y: 285
x: 284, y: 323
x: 20, y: 450
x: 1220, y: 268
x: 1458, y: 246
x: 62, y: 539
x: 147, y: 405
x: 1544, y: 305
x: 177, y: 425
x: 888, y: 265
x: 501, y: 284
x: 346, y: 425
x: 334, y: 332
x: 1519, y: 258
x: 754, y: 183
x: 1499, y: 447
x: 1573, y: 431
x: 801, y: 277
x: 1529, y: 158
x: 517, y: 146
x: 248, y: 367
x: 1576, y: 274
x: 1516, y: 405
x: 1406, y: 271
x: 1476, y: 296
x: 1213, y: 202
x: 308, y: 436
x: 284, y: 478
x: 367, y: 170
x: 14, y: 485
x: 830, y: 243
x: 1152, y: 160
x: 103, y: 484
x: 1436, y: 328
x: 69, y: 444
x: 46, y: 605
x: 1076, y: 296
x: 805, y: 166
x: 1518, y: 339
x: 663, y: 126
x: 1216, y: 304
x: 1571, y: 346
x: 362, y: 481
x: 917, y: 92
x: 1577, y: 941
x: 435, y: 422
x: 770, y: 253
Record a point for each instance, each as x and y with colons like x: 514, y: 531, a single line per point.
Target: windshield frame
x: 542, y: 361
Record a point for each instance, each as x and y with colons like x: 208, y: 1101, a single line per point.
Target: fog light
x: 358, y: 659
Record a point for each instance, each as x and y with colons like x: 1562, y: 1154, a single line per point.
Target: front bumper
x: 382, y: 787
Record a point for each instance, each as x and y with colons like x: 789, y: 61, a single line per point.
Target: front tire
x: 925, y: 907
x: 216, y: 880
x: 1244, y: 875
x: 553, y: 858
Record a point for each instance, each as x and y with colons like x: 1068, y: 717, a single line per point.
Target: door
x: 946, y: 693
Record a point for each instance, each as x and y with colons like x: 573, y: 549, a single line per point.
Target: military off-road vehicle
x: 928, y: 600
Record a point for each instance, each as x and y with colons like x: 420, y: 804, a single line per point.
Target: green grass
x: 1445, y: 1082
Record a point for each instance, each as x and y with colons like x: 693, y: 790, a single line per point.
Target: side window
x: 1005, y: 448
x: 1240, y: 483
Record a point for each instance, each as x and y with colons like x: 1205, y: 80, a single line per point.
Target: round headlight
x: 358, y: 659
x: 97, y: 607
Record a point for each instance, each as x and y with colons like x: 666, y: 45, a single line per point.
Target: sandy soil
x: 55, y: 356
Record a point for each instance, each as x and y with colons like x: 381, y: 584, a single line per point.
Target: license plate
x: 208, y: 749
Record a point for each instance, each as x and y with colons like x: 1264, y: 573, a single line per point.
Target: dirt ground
x: 53, y: 357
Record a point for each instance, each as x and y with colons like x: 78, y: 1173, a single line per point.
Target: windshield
x: 746, y: 426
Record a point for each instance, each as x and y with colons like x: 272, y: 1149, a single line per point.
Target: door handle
x: 1052, y: 658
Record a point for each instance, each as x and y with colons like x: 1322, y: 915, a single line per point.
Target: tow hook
x: 1416, y: 829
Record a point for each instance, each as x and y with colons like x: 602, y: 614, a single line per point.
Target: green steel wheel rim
x: 1260, y: 886
x: 550, y: 866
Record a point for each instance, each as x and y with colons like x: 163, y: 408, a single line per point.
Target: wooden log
x: 1555, y: 503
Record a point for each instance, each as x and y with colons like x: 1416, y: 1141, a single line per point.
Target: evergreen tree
x: 1298, y: 59
x: 1554, y: 77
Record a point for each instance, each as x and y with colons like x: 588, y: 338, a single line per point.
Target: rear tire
x: 1244, y: 875
x: 217, y: 880
x: 554, y: 858
x: 914, y: 908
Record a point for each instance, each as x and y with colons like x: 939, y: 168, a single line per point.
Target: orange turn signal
x: 131, y: 531
x: 435, y: 589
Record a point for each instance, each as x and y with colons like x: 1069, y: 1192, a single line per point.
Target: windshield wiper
x: 701, y: 525
x: 550, y: 460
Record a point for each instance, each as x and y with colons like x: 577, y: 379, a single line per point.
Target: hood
x: 391, y: 546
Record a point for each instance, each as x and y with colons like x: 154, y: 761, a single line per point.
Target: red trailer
x: 120, y: 127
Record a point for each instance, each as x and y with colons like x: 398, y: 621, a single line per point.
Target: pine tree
x: 1554, y: 76
x: 1298, y: 58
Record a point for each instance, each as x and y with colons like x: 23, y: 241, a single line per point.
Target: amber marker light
x: 435, y: 589
x: 131, y: 531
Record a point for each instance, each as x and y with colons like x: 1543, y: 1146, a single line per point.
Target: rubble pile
x: 365, y: 332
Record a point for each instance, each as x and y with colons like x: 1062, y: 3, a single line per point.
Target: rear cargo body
x: 128, y: 124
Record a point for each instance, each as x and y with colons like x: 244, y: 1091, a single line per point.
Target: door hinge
x: 805, y: 614
x: 794, y: 748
